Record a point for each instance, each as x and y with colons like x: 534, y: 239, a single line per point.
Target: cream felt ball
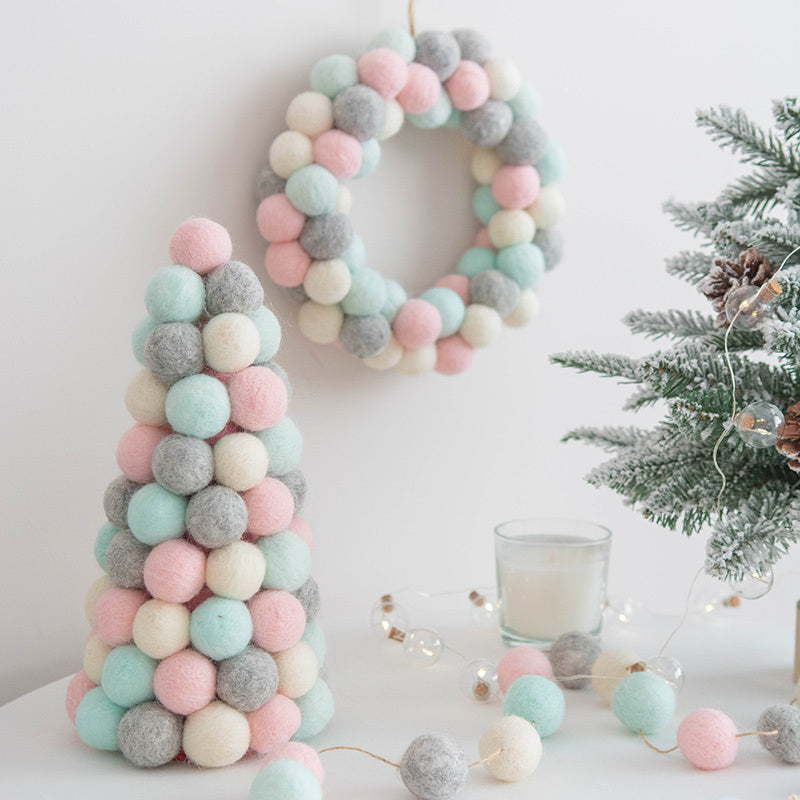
x: 395, y: 117
x: 519, y: 746
x: 468, y: 86
x: 116, y: 499
x: 145, y: 398
x: 274, y: 723
x: 216, y: 516
x: 175, y: 294
x: 482, y: 325
x: 297, y: 669
x: 434, y: 767
x: 319, y: 323
x: 284, y: 444
x: 287, y: 263
x: 527, y: 308
x: 786, y: 720
x: 326, y: 236
x: 156, y: 514
x: 285, y: 779
x: 78, y: 687
x: 493, y: 289
x: 643, y: 702
x: 287, y: 560
x: 175, y: 571
x: 290, y: 152
x: 511, y: 226
x: 216, y: 735
x: 185, y: 682
x: 312, y: 189
x: 246, y: 681
x: 453, y: 355
x: 609, y: 668
x: 200, y: 244
x: 574, y: 653
x: 383, y: 70
x: 548, y: 209
x: 174, y: 350
x: 183, y: 464
x: 149, y: 735
x: 708, y: 739
x: 127, y: 676
x: 310, y: 113
x: 418, y: 361
x: 220, y: 627
x: 339, y: 153
x: 98, y: 588
x: 230, y: 342
x: 258, y: 398
x: 421, y: 91
x: 332, y: 74
x: 344, y: 200
x: 417, y: 323
x: 365, y: 336
x: 97, y: 720
x: 308, y: 595
x: 278, y: 220
x: 504, y: 78
x: 125, y: 559
x: 485, y: 162
x: 278, y: 620
x: 114, y: 614
x: 135, y: 451
x: 198, y: 406
x: 269, y: 334
x: 161, y: 629
x: 388, y: 357
x: 537, y: 700
x: 95, y: 652
x: 233, y: 287
x: 327, y: 282
x: 270, y: 507
x: 316, y: 639
x: 487, y: 125
x: 236, y: 570
x: 519, y: 661
x: 302, y: 754
x: 359, y: 111
x: 240, y: 461
x: 316, y: 707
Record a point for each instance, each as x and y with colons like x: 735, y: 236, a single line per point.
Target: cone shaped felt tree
x: 203, y: 641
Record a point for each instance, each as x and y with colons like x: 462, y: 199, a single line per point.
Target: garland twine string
x: 412, y: 22
x: 397, y: 766
x: 673, y: 749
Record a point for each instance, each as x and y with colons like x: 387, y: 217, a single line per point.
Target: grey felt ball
x: 173, y: 351
x: 326, y: 236
x: 295, y: 293
x: 474, y: 46
x: 125, y: 559
x: 525, y: 143
x: 216, y: 516
x: 308, y: 595
x: 574, y: 653
x: 233, y: 287
x: 433, y: 767
x: 149, y: 735
x: 487, y: 125
x: 268, y: 183
x: 297, y: 485
x: 551, y: 243
x: 439, y: 51
x: 365, y: 336
x: 247, y: 680
x: 116, y: 499
x: 785, y: 720
x: 282, y: 374
x: 492, y: 288
x: 359, y: 111
x: 183, y: 464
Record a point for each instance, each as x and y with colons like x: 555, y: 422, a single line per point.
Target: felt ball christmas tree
x: 203, y: 640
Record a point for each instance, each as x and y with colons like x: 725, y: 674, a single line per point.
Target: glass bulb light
x: 483, y: 607
x: 668, y: 668
x: 423, y: 647
x: 748, y: 306
x: 386, y: 614
x: 754, y: 584
x: 757, y: 424
x: 478, y: 680
x: 622, y: 609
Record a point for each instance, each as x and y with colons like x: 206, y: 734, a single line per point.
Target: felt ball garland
x: 335, y: 133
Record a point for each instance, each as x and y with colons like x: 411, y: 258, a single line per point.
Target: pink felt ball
x: 220, y: 376
x: 270, y: 507
x: 174, y: 571
x: 114, y: 615
x: 185, y: 682
x: 468, y: 86
x: 339, y: 152
x: 299, y: 526
x: 417, y: 323
x: 258, y: 398
x: 515, y: 186
x: 76, y: 691
x: 484, y: 240
x: 521, y: 661
x: 457, y: 283
x: 383, y: 70
x: 707, y: 739
x: 274, y: 723
x: 453, y: 355
x: 200, y: 244
x: 199, y: 598
x: 135, y: 451
x: 302, y: 753
x: 278, y: 220
x: 287, y: 263
x: 421, y: 91
x: 279, y: 620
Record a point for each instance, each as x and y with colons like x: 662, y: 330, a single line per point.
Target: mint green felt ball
x: 552, y: 165
x: 316, y: 707
x: 367, y: 294
x: 220, y: 627
x: 523, y: 263
x: 355, y: 257
x: 139, y: 337
x: 312, y: 190
x: 643, y: 702
x: 434, y: 117
x: 285, y: 779
x: 483, y: 204
x: 332, y: 74
x: 450, y: 306
x: 97, y: 720
x: 127, y: 677
x: 288, y: 560
x: 395, y: 297
x: 370, y: 157
x: 475, y: 261
x: 537, y: 700
x: 269, y: 333
x: 104, y: 536
x: 284, y: 444
x: 395, y: 39
x: 155, y: 514
x: 175, y: 294
x: 454, y: 120
x: 525, y: 104
x: 198, y: 406
x: 315, y: 638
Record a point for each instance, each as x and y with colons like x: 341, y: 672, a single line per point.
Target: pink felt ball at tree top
x: 200, y: 244
x: 457, y: 283
x: 287, y: 263
x: 383, y: 70
x: 708, y: 739
x: 515, y: 186
x: 278, y: 220
x: 114, y: 615
x: 135, y: 451
x: 76, y: 691
x: 274, y: 723
x: 302, y: 754
x: 522, y: 661
x: 453, y: 355
x: 174, y: 571
x: 421, y: 91
x: 279, y: 620
x: 270, y: 507
x: 339, y: 152
x: 468, y: 86
x: 259, y: 398
x: 299, y: 526
x: 417, y: 323
x: 185, y: 682
x: 484, y: 240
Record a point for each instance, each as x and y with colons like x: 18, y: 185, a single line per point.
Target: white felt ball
x: 95, y: 652
x: 145, y: 398
x: 161, y: 629
x: 310, y: 113
x: 548, y: 209
x: 519, y: 746
x: 344, y: 200
x: 290, y: 151
x: 235, y: 570
x: 388, y: 357
x: 240, y: 461
x: 511, y: 226
x: 504, y: 78
x: 96, y: 591
x: 485, y: 162
x: 610, y: 667
x: 327, y: 282
x: 526, y: 309
x: 216, y: 735
x: 481, y: 326
x: 416, y: 361
x: 320, y: 324
x: 230, y: 342
x: 297, y: 669
x: 395, y: 116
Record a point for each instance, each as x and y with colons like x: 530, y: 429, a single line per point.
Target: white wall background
x: 121, y: 119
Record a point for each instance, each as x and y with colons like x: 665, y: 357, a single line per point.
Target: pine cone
x: 751, y: 269
x: 788, y: 442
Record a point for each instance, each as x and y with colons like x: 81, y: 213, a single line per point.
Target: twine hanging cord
x: 392, y: 764
x: 412, y: 22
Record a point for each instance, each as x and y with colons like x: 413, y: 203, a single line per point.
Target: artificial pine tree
x: 667, y: 472
x: 203, y: 643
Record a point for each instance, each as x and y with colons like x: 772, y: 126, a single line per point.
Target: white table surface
x: 736, y: 660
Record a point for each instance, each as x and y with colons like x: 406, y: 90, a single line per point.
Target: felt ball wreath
x: 335, y: 131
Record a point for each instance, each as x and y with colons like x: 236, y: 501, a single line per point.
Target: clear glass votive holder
x: 551, y: 578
